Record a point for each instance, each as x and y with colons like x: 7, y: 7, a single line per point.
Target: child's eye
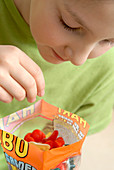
x: 109, y: 42
x: 70, y: 28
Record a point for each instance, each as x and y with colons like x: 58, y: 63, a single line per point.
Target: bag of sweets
x: 42, y: 137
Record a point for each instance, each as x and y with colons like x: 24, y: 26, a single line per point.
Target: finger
x: 13, y: 88
x: 26, y: 80
x: 36, y: 72
x: 5, y: 96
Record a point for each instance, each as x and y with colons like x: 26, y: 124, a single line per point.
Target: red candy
x: 44, y: 140
x: 28, y: 137
x: 53, y: 135
x: 38, y: 135
x: 59, y: 142
x: 51, y: 143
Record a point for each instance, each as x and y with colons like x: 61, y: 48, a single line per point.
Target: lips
x: 58, y: 57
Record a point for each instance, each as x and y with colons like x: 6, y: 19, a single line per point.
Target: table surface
x: 98, y: 150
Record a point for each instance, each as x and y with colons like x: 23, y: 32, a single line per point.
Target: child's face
x: 74, y: 30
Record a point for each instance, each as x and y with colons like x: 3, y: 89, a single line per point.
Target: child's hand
x: 20, y: 76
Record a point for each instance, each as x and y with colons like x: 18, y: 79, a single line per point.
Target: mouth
x: 57, y: 56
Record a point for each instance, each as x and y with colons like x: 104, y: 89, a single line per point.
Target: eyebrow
x: 75, y: 16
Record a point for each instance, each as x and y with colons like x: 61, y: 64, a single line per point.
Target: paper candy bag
x: 23, y: 155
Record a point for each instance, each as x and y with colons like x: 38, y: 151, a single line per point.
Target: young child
x: 53, y: 40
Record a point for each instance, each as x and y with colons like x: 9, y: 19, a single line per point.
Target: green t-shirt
x: 86, y: 90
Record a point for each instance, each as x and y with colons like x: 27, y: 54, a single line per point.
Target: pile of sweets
x: 39, y: 137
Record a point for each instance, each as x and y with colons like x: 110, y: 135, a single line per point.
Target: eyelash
x: 79, y: 29
x: 109, y: 42
x: 68, y: 27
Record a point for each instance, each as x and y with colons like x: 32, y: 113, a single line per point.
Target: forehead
x: 98, y: 15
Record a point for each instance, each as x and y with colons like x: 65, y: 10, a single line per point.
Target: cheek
x: 47, y: 32
x: 39, y: 31
x: 98, y: 51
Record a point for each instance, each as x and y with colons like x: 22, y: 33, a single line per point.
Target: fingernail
x: 41, y: 93
x: 32, y: 100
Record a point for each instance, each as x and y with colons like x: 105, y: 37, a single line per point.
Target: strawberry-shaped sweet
x: 38, y: 135
x: 28, y: 137
x: 44, y: 140
x: 51, y: 143
x: 53, y: 136
x: 59, y: 142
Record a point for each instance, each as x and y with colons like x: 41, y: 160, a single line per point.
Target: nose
x: 78, y: 53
